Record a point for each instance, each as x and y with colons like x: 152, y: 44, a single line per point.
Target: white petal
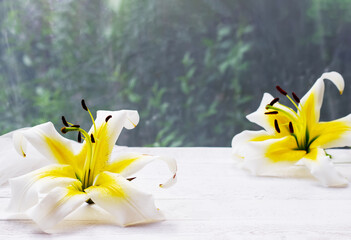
x: 46, y: 140
x: 258, y: 116
x: 344, y: 139
x: 56, y: 206
x: 241, y: 140
x: 129, y: 163
x: 324, y: 171
x: 123, y: 118
x: 107, y: 133
x: 318, y: 90
x: 123, y: 201
x: 25, y: 188
x: 340, y: 155
x: 24, y: 195
x: 13, y: 164
x: 250, y: 155
x: 20, y: 143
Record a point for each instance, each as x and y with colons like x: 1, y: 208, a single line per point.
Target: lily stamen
x: 281, y: 90
x: 79, y: 137
x: 288, y: 115
x: 286, y: 94
x: 274, y: 101
x: 273, y: 112
x: 84, y: 106
x: 276, y: 125
x: 296, y: 98
x: 64, y: 121
x: 108, y: 118
x: 291, y: 128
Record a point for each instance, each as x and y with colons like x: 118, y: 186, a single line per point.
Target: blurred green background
x: 192, y: 68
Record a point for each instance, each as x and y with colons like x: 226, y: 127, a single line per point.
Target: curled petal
x: 122, y: 200
x: 13, y: 164
x: 20, y: 143
x: 323, y: 170
x: 47, y: 141
x: 130, y: 163
x: 108, y: 131
x: 312, y: 101
x: 25, y: 188
x: 56, y: 205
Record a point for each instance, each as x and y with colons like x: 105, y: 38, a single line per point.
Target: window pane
x: 192, y: 68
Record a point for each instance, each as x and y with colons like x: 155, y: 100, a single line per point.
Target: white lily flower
x: 293, y: 138
x: 86, y: 173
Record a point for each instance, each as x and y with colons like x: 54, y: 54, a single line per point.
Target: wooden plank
x: 212, y: 200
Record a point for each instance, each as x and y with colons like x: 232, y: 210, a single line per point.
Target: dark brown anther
x: 64, y: 121
x: 108, y: 118
x: 64, y: 130
x: 296, y: 98
x: 276, y: 125
x: 274, y: 101
x: 79, y: 137
x: 281, y: 90
x: 273, y: 112
x: 291, y: 128
x: 76, y: 126
x: 92, y: 138
x: 89, y: 201
x: 84, y: 106
x: 131, y: 179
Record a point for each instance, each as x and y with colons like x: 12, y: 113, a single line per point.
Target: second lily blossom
x: 294, y: 138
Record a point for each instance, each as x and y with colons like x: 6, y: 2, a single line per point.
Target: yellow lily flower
x: 294, y: 137
x: 84, y: 173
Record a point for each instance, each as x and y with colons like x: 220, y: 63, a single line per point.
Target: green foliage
x: 193, y: 69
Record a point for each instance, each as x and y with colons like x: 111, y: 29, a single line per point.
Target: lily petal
x: 323, y: 169
x: 13, y: 164
x: 25, y: 188
x: 312, y: 101
x: 129, y: 163
x: 250, y: 152
x: 56, y: 206
x: 107, y: 133
x: 333, y: 134
x: 339, y: 155
x: 240, y: 141
x: 47, y: 141
x: 263, y: 160
x: 122, y: 200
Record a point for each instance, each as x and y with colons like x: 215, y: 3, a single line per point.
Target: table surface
x: 212, y: 199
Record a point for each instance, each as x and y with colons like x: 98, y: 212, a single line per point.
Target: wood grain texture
x: 212, y: 200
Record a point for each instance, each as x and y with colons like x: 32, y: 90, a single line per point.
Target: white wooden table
x: 212, y: 200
